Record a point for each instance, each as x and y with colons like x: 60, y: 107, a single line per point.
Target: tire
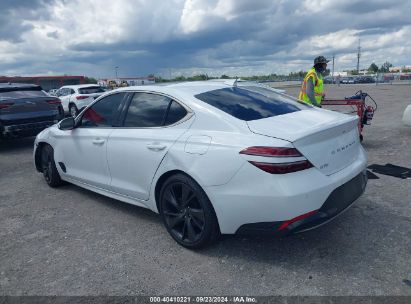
x: 73, y: 110
x: 187, y: 212
x: 50, y: 173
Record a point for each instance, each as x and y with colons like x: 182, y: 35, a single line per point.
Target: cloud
x: 235, y: 37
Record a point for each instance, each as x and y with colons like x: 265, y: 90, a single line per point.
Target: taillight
x: 81, y: 97
x: 271, y: 151
x: 6, y: 105
x: 54, y: 101
x: 290, y: 165
x: 283, y: 168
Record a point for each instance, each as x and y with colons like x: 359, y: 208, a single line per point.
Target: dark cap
x: 320, y: 59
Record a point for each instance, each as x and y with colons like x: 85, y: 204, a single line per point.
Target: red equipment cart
x: 365, y: 112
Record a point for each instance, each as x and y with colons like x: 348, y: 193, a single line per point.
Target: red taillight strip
x: 282, y: 168
x: 82, y: 97
x: 271, y: 151
x: 54, y: 101
x: 6, y: 105
x: 296, y: 219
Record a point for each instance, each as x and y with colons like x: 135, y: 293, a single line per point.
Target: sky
x: 171, y: 38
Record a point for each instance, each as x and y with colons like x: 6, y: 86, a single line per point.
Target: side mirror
x: 67, y: 124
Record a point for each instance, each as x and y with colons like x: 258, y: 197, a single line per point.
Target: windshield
x: 250, y: 102
x: 91, y: 90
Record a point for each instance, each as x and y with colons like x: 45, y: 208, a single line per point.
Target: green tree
x: 224, y: 77
x: 90, y: 80
x: 373, y: 68
x: 385, y: 68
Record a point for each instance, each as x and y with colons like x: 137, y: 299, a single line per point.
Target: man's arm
x: 310, y: 92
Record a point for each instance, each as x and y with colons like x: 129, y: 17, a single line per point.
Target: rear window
x: 251, y: 103
x: 24, y: 93
x: 91, y: 90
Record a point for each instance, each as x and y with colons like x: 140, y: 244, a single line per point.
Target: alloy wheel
x: 47, y: 166
x: 183, y: 213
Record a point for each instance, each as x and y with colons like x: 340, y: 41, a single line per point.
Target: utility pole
x: 358, y: 56
x: 116, y: 68
x: 333, y: 68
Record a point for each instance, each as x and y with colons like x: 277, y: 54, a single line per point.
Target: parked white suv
x: 76, y: 97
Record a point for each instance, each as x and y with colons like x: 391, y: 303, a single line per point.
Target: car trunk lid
x: 329, y: 140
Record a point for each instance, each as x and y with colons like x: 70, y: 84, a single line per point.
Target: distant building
x: 46, y: 82
x: 342, y: 74
x: 400, y: 68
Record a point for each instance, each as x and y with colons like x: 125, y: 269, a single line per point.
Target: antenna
x: 358, y: 56
x: 235, y: 82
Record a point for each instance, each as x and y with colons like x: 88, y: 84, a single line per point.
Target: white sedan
x: 211, y: 158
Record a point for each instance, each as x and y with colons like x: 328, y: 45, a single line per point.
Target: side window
x: 72, y: 91
x: 175, y: 113
x: 103, y: 112
x: 147, y: 110
x: 61, y: 92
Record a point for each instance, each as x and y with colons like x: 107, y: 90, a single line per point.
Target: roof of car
x: 192, y: 87
x: 10, y: 85
x: 79, y: 86
x: 17, y: 85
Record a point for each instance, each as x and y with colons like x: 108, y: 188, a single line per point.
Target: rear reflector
x: 272, y: 151
x: 6, y: 105
x: 54, y: 101
x: 296, y: 219
x: 82, y: 97
x: 282, y: 168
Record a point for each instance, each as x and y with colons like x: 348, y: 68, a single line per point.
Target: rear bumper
x: 337, y: 202
x: 24, y: 130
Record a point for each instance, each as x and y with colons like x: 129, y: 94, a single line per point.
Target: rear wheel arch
x: 163, y: 178
x: 160, y: 182
x: 37, y: 155
x: 200, y: 226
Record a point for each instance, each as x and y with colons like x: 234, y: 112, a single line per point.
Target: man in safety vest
x: 312, y: 89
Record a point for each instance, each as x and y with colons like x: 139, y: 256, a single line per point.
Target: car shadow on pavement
x: 114, y: 204
x: 17, y: 144
x: 351, y: 242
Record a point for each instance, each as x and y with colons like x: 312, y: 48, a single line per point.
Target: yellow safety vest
x: 318, y: 87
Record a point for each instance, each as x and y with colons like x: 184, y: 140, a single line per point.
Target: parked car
x: 211, y: 158
x: 365, y: 79
x: 344, y: 80
x: 406, y: 117
x: 76, y: 97
x: 25, y: 110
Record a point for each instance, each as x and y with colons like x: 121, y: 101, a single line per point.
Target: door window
x: 175, y: 113
x: 103, y: 113
x: 151, y: 110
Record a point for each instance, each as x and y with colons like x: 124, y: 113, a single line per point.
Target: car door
x: 152, y: 123
x: 83, y: 150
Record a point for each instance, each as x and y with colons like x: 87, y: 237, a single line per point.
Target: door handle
x: 98, y: 141
x: 156, y: 147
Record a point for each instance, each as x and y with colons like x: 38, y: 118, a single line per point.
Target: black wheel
x: 187, y: 212
x: 73, y: 110
x: 48, y: 166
